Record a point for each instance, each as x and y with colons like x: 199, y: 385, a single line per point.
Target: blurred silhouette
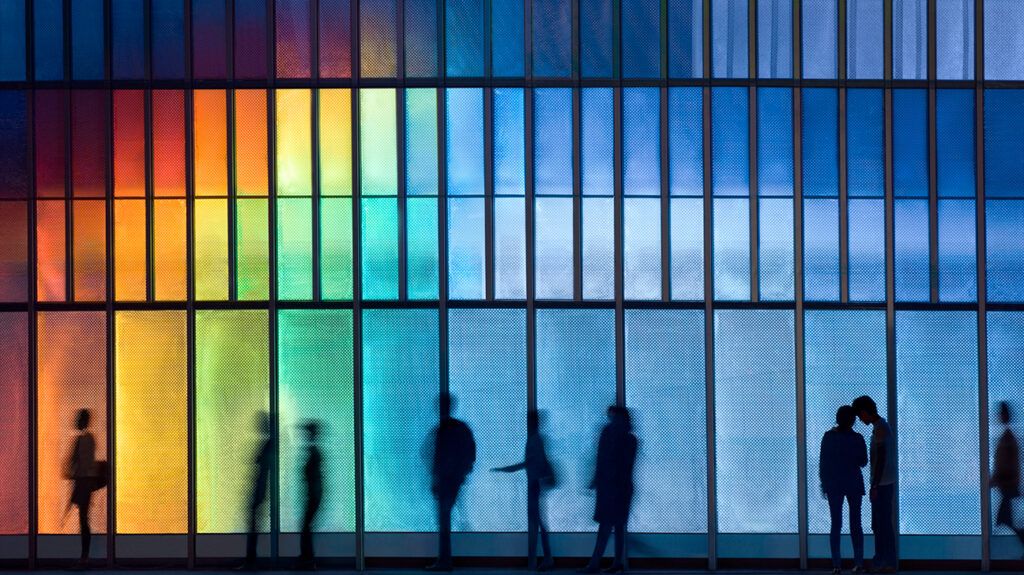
x: 262, y: 463
x: 87, y: 475
x: 1006, y: 475
x: 613, y: 481
x: 540, y: 476
x: 843, y: 453
x: 453, y: 458
x: 883, y: 484
x: 314, y: 478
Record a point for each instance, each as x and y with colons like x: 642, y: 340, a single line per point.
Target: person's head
x: 445, y: 404
x: 312, y: 429
x: 82, y: 419
x: 1004, y: 413
x: 263, y: 423
x: 619, y: 415
x: 865, y: 409
x: 845, y: 417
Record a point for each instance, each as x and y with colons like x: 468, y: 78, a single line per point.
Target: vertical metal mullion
x: 982, y: 289
x: 577, y: 194
x: 69, y: 212
x: 357, y: 297
x: 488, y: 94
x: 33, y: 264
x: 403, y: 263
x: 752, y: 71
x: 709, y: 324
x: 531, y: 311
x: 148, y: 143
x: 315, y: 192
x: 442, y: 207
x: 844, y: 213
x: 190, y: 319
x: 799, y: 319
x: 666, y: 245
x: 797, y: 33
x: 841, y: 40
x: 620, y: 344
x: 887, y: 39
x: 933, y: 198
x: 617, y: 40
x: 108, y: 50
x: 232, y: 195
x: 275, y: 432
x: 890, y: 288
x: 752, y: 194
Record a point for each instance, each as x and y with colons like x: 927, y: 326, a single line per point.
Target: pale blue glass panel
x: 48, y: 30
x: 552, y: 141
x: 954, y: 39
x: 509, y: 142
x: 729, y: 38
x: 910, y: 39
x: 575, y: 386
x: 1005, y: 347
x: 685, y: 38
x: 641, y: 39
x: 665, y: 389
x: 821, y: 249
x: 820, y: 127
x: 379, y: 248
x: 866, y: 247
x: 910, y: 143
x: 466, y: 248
x: 865, y: 143
x: 1004, y: 43
x: 597, y: 142
x: 958, y: 279
x: 731, y: 248
x: 864, y: 39
x: 755, y: 376
x: 937, y: 366
x: 1004, y: 249
x: 421, y: 249
x: 686, y: 141
x: 552, y: 38
x: 912, y: 251
x: 775, y: 38
x: 775, y: 248
x: 421, y: 142
x: 596, y: 32
x: 87, y: 39
x: 598, y: 248
x: 1004, y: 144
x: 487, y: 378
x: 464, y: 140
x: 507, y: 38
x: 775, y: 142
x: 553, y: 247
x: 509, y: 248
x: 641, y: 260
x: 686, y: 228
x: 421, y: 37
x: 464, y: 37
x: 641, y: 142
x: 954, y: 147
x: 820, y: 31
x: 730, y: 150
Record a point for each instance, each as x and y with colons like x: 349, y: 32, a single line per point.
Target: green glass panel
x: 336, y: 248
x: 380, y: 248
x: 421, y: 247
x: 421, y: 142
x: 295, y: 248
x: 252, y: 265
x: 315, y: 384
x: 378, y: 145
x: 210, y: 245
x: 232, y: 388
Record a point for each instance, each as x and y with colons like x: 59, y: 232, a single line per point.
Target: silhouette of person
x: 540, y: 476
x: 883, y: 484
x: 453, y: 458
x: 86, y: 476
x: 262, y: 463
x: 313, y: 475
x: 1006, y: 475
x: 613, y: 482
x: 843, y: 453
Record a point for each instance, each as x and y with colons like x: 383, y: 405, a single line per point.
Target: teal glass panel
x: 379, y: 248
x: 294, y: 248
x: 421, y: 248
x: 336, y: 248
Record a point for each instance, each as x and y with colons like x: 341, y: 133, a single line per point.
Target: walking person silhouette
x: 313, y: 476
x: 1006, y: 475
x: 454, y: 455
x: 87, y: 475
x: 883, y: 484
x: 843, y: 454
x: 613, y: 483
x: 540, y: 476
x: 261, y: 480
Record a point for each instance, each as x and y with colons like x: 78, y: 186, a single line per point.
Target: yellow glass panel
x: 211, y: 249
x: 210, y: 131
x: 251, y: 142
x: 336, y: 142
x: 130, y: 250
x: 294, y: 143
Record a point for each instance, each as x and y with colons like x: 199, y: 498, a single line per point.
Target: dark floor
x: 127, y: 571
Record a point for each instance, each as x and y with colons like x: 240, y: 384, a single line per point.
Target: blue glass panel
x: 954, y: 39
x: 596, y: 38
x: 641, y: 39
x: 487, y: 377
x: 957, y: 251
x: 685, y: 142
x: 400, y: 388
x: 866, y: 249
x: 464, y: 140
x: 731, y: 228
x: 552, y: 141
x: 755, y: 373
x: 820, y: 126
x: 821, y: 249
x: 1005, y: 347
x: 775, y: 38
x: 380, y: 248
x: 864, y: 39
x: 509, y: 248
x: 167, y: 19
x: 641, y: 142
x: 464, y: 37
x: 597, y: 143
x: 14, y: 147
x: 729, y: 38
x: 87, y: 27
x: 48, y: 28
x: 775, y: 142
x: 575, y: 386
x: 552, y: 38
x: 509, y: 142
x: 865, y: 143
x: 553, y: 247
x: 1004, y: 249
x: 641, y: 260
x: 1004, y: 146
x: 507, y: 38
x: 421, y: 248
x: 910, y: 39
x: 466, y: 248
x: 730, y: 149
x: 912, y: 251
x: 421, y: 141
x: 665, y: 370
x: 12, y: 41
x: 421, y: 45
x: 954, y: 147
x: 685, y: 38
x: 1004, y: 53
x: 598, y: 248
x: 820, y: 26
x: 844, y: 358
x: 937, y: 365
x: 686, y: 229
x: 775, y: 248
x: 129, y: 58
x: 910, y: 143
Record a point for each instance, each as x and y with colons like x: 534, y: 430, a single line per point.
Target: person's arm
x: 510, y: 468
x: 878, y: 463
x: 862, y: 453
x: 822, y: 454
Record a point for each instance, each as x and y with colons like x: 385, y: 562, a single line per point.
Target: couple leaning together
x: 843, y: 454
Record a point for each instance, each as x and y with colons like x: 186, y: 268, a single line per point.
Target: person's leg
x: 604, y: 529
x: 251, y: 535
x: 835, y: 510
x: 620, y: 545
x: 532, y: 522
x: 83, y: 525
x: 444, y: 525
x: 306, y: 553
x: 1004, y: 516
x: 856, y: 529
x: 885, y: 533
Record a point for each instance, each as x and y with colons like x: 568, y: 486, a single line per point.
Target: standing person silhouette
x: 87, y: 475
x: 454, y: 455
x: 261, y: 480
x: 1006, y: 475
x: 843, y: 453
x: 540, y: 476
x: 613, y: 482
x: 883, y: 484
x: 313, y: 476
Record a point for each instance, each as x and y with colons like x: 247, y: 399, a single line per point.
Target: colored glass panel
x: 291, y: 28
x: 336, y: 248
x: 421, y: 248
x: 252, y: 256
x: 294, y: 248
x: 250, y: 38
x: 210, y: 249
x: 378, y: 143
x: 379, y: 248
x: 14, y: 254
x: 89, y: 143
x: 294, y: 153
x: 421, y: 142
x: 50, y: 127
x: 335, y: 142
x: 14, y: 427
x: 129, y: 143
x: 130, y: 250
x: 251, y: 143
x: 335, y: 21
x: 89, y: 254
x: 168, y: 143
x: 210, y: 143
x: 170, y: 246
x: 51, y: 251
x: 377, y: 37
x: 14, y: 134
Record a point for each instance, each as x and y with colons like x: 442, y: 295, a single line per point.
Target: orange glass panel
x: 211, y: 143
x: 14, y: 424
x: 51, y: 244
x: 89, y: 255
x: 168, y: 117
x: 130, y: 250
x: 13, y: 251
x: 129, y: 143
x: 169, y: 250
x: 251, y: 142
x: 72, y: 373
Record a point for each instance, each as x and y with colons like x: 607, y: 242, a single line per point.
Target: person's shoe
x: 439, y: 567
x: 614, y: 569
x: 546, y: 565
x: 858, y: 569
x: 836, y: 571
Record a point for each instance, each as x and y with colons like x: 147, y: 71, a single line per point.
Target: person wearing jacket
x: 613, y: 483
x: 843, y: 454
